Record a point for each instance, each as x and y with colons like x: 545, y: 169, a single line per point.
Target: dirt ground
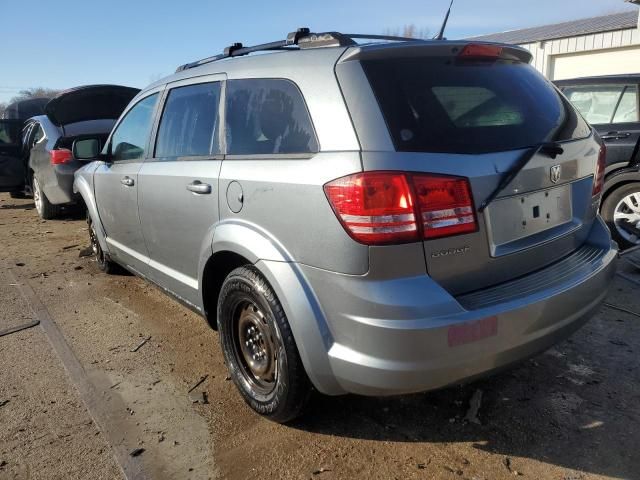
x: 76, y: 400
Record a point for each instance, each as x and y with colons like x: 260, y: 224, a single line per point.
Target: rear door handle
x: 127, y: 181
x: 198, y: 187
x: 616, y: 136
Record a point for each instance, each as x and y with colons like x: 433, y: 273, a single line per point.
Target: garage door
x: 604, y: 62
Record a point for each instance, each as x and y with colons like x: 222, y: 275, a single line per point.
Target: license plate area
x: 513, y: 220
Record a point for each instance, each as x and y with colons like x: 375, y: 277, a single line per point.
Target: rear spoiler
x: 437, y: 49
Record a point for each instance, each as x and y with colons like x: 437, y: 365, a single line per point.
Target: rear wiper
x: 550, y: 148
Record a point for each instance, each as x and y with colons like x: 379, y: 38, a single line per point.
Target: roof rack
x: 302, y: 38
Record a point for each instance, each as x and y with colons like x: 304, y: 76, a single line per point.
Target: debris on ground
x: 198, y: 383
x: 136, y: 452
x: 621, y: 309
x: 19, y: 328
x: 199, y: 397
x: 86, y: 252
x: 3, y: 402
x: 141, y: 344
x: 474, y: 408
x: 320, y: 470
x: 507, y: 463
x: 69, y: 247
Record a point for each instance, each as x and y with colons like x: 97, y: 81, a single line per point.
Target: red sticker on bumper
x: 473, y: 331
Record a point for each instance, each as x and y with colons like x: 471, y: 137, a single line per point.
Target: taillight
x: 598, y: 179
x: 473, y: 50
x: 381, y: 208
x: 375, y: 208
x: 445, y: 205
x: 62, y: 155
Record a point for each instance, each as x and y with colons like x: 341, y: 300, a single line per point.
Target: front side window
x: 129, y: 140
x: 188, y: 124
x: 597, y: 104
x: 267, y: 116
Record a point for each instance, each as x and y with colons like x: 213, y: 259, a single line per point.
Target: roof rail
x: 300, y: 39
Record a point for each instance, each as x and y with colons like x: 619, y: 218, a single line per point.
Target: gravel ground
x: 571, y: 413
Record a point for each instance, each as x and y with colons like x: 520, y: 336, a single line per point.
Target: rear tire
x: 102, y: 259
x: 44, y: 207
x: 623, y: 205
x: 259, y: 348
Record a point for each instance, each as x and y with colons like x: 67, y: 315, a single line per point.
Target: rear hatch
x: 91, y: 102
x: 476, y: 112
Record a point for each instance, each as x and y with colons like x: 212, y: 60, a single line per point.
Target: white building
x: 603, y: 45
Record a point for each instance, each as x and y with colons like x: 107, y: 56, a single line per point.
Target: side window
x: 189, y: 121
x: 129, y: 140
x: 597, y: 104
x: 38, y: 133
x: 628, y: 108
x: 266, y: 117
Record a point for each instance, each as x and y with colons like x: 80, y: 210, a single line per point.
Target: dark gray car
x: 12, y: 152
x: 358, y: 218
x: 612, y: 105
x: 47, y: 140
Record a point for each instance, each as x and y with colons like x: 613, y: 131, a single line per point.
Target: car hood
x: 91, y: 102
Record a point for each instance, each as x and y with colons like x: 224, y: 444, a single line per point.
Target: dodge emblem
x: 556, y: 170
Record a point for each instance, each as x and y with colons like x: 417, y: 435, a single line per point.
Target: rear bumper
x: 58, y: 183
x: 408, y: 335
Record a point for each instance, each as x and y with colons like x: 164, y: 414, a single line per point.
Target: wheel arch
x: 82, y: 186
x: 619, y: 178
x: 237, y: 243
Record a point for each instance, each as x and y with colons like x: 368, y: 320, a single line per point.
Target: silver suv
x: 377, y: 218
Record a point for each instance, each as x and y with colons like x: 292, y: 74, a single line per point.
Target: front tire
x: 621, y: 211
x: 102, y: 259
x: 259, y: 348
x: 44, y: 207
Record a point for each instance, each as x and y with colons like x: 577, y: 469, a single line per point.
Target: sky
x: 67, y: 43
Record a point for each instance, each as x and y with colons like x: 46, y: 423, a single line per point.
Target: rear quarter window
x: 267, y: 116
x: 436, y: 104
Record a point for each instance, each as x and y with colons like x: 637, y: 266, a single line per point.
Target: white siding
x: 598, y: 62
x: 551, y: 55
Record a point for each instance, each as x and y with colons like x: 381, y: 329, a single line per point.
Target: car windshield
x: 434, y: 104
x: 9, y: 132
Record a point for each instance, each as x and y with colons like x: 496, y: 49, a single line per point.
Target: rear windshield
x: 440, y: 105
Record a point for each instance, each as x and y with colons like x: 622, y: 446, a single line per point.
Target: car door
x: 12, y: 172
x: 178, y: 187
x: 116, y: 184
x: 613, y: 110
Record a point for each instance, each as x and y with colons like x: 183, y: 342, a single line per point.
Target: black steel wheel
x: 259, y: 348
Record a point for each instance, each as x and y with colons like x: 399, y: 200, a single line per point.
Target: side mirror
x: 86, y: 149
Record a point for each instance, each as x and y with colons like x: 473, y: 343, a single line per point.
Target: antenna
x: 440, y: 35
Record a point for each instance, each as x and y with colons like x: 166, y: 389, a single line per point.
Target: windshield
x: 440, y: 105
